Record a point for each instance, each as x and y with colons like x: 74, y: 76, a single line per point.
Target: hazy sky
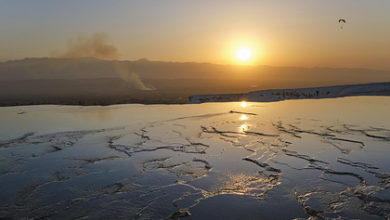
x: 282, y: 33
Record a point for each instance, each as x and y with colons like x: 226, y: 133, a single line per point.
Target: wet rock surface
x: 227, y: 163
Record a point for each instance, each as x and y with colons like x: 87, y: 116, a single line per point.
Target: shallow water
x: 323, y: 158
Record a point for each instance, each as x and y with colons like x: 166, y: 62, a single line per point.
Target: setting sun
x: 244, y: 54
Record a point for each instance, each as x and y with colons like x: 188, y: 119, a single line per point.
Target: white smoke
x: 96, y: 46
x: 123, y: 72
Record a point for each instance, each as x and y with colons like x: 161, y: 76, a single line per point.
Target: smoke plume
x: 123, y: 72
x: 94, y: 46
x: 97, y: 46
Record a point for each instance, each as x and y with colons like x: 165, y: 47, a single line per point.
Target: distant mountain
x: 90, y: 80
x: 87, y: 68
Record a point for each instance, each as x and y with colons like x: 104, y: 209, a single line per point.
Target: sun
x: 244, y: 54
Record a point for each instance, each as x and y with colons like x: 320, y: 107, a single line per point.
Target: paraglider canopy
x: 341, y: 21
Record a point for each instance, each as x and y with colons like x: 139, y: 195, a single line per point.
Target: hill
x: 90, y: 81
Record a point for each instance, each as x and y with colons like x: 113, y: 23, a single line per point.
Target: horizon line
x: 191, y: 62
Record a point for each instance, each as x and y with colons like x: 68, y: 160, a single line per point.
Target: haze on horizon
x: 288, y: 33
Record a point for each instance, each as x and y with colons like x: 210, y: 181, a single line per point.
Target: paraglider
x: 341, y: 21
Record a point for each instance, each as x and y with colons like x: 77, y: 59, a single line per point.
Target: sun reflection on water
x: 243, y: 117
x: 243, y: 184
x: 243, y: 128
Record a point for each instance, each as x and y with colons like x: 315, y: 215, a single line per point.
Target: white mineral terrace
x: 326, y: 158
x: 371, y: 89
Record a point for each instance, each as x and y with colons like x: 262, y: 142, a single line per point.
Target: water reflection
x: 244, y: 184
x: 243, y: 117
x: 243, y: 128
x: 331, y: 155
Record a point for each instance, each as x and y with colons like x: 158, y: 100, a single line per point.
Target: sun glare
x: 244, y: 104
x: 244, y: 54
x: 243, y: 117
x: 243, y: 128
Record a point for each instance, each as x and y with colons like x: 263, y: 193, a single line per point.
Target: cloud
x: 94, y: 46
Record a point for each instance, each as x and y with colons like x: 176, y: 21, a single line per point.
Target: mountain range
x: 90, y: 81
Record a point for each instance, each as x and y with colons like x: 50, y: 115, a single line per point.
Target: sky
x: 279, y: 33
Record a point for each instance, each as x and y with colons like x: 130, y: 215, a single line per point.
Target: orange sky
x: 288, y: 33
